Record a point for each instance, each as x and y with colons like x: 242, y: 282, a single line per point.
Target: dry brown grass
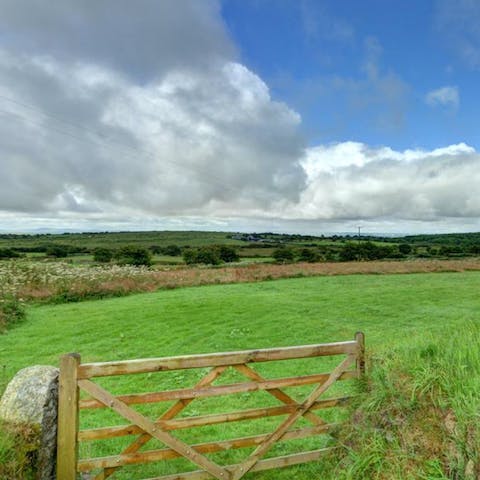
x: 73, y: 288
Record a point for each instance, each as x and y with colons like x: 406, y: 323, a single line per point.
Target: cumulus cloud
x: 155, y: 118
x: 444, y: 96
x: 354, y: 181
x: 167, y: 136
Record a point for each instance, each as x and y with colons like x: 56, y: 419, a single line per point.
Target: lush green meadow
x: 402, y: 313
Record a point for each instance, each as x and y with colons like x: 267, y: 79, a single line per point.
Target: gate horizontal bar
x: 268, y: 464
x: 191, y: 393
x: 203, y: 420
x: 89, y: 464
x: 104, y: 369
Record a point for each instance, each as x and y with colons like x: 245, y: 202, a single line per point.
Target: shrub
x: 205, y: 255
x: 190, y: 256
x: 283, y: 255
x: 131, y: 255
x: 8, y: 253
x: 57, y: 251
x: 365, y: 251
x: 172, y: 250
x: 308, y: 255
x: 228, y: 254
x: 103, y: 255
x: 405, y: 248
x: 11, y: 312
x: 156, y: 249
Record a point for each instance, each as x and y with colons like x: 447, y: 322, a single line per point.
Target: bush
x: 205, y: 255
x: 103, y: 255
x: 283, y: 255
x: 365, y: 251
x: 11, y: 313
x: 308, y: 255
x: 228, y: 254
x: 57, y: 251
x: 131, y: 255
x: 8, y: 253
x: 156, y: 249
x: 172, y: 250
x: 474, y: 249
x: 190, y: 256
x: 405, y: 248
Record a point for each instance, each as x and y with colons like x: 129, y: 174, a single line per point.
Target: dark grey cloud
x: 142, y: 39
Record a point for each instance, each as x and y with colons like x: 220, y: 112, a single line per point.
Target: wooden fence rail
x: 76, y: 377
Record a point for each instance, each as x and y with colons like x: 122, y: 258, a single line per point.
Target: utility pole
x: 359, y: 229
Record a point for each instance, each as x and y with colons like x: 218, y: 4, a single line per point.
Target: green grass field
x: 120, y: 239
x: 394, y: 311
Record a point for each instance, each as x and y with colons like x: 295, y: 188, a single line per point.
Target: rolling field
x: 394, y: 311
x: 119, y: 239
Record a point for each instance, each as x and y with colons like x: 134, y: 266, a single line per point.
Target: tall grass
x: 418, y: 416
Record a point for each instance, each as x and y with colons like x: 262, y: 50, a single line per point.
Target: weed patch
x: 17, y: 447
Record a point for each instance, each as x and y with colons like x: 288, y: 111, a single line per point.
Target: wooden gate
x: 76, y: 377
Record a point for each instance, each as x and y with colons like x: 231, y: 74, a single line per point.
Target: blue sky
x: 308, y: 116
x: 304, y: 49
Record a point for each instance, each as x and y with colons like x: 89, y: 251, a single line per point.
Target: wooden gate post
x: 67, y: 446
x: 360, y: 363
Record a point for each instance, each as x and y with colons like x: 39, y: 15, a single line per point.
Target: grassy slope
x: 391, y: 310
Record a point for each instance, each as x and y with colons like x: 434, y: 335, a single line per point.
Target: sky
x: 306, y: 116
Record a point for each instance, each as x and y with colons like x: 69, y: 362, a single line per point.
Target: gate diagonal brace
x: 174, y: 410
x: 152, y: 429
x: 277, y: 393
x: 264, y: 447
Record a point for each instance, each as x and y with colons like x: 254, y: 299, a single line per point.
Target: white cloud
x: 168, y: 139
x: 351, y: 180
x: 444, y: 96
x: 191, y: 142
